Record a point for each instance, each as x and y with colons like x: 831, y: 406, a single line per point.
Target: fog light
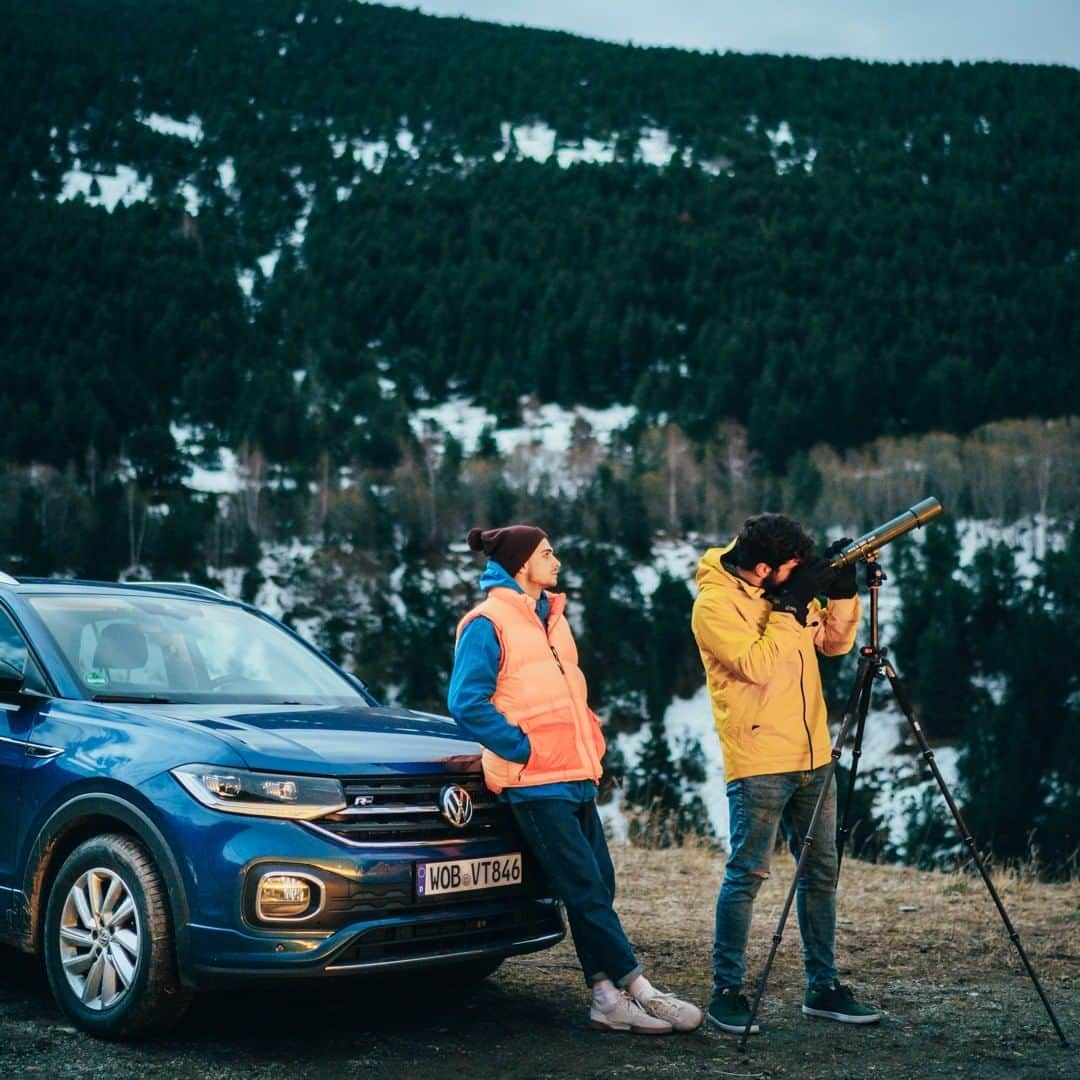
x: 287, y: 896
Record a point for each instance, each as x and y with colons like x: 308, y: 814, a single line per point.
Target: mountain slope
x: 348, y: 191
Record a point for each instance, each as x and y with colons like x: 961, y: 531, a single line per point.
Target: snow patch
x: 224, y: 479
x: 190, y: 129
x: 370, y: 154
x: 124, y: 186
x: 785, y: 155
x: 548, y: 428
x: 891, y: 765
x: 533, y: 141
x: 655, y: 147
x: 192, y: 201
x: 591, y: 151
x: 268, y: 263
x: 227, y: 175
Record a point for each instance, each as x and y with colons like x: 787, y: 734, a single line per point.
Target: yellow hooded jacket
x: 762, y: 671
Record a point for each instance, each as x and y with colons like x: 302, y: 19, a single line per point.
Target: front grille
x: 354, y: 900
x: 404, y: 809
x: 415, y: 941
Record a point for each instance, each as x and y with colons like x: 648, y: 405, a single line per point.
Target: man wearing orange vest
x: 759, y: 627
x: 517, y: 689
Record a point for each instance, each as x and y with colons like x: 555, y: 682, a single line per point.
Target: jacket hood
x: 711, y: 570
x: 496, y: 577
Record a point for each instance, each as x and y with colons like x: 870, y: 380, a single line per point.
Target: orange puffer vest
x: 541, y: 690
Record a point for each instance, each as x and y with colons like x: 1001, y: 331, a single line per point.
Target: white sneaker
x: 681, y: 1015
x: 627, y: 1015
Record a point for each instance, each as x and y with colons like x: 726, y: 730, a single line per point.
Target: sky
x: 1029, y: 31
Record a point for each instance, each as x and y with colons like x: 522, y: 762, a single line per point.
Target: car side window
x: 14, y: 653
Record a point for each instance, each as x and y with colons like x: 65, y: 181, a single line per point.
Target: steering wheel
x: 228, y: 679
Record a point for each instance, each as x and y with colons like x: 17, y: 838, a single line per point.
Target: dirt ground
x: 930, y: 949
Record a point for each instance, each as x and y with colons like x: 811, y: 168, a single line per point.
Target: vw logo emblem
x: 456, y: 805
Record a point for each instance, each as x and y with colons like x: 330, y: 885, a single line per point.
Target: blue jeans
x: 758, y: 805
x: 567, y: 840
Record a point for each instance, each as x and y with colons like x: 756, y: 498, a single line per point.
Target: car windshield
x: 181, y: 649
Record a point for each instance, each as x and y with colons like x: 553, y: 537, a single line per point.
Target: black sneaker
x: 729, y: 1011
x: 838, y: 1003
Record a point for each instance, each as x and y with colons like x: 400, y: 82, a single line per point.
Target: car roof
x: 77, y: 585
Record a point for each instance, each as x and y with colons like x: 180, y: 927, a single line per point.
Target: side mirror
x: 11, y: 678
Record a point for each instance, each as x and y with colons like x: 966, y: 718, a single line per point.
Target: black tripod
x: 872, y: 663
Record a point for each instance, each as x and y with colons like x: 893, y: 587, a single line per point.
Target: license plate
x: 465, y: 875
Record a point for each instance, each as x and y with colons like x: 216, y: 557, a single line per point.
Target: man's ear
x: 762, y: 570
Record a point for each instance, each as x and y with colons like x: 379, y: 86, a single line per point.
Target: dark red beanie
x: 511, y: 546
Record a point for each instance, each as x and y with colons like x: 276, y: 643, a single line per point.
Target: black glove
x: 843, y: 585
x: 806, y: 581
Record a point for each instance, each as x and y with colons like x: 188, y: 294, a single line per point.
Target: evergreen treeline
x: 991, y: 656
x: 908, y: 262
x: 789, y: 318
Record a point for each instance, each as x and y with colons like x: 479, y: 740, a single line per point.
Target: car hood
x: 334, y: 740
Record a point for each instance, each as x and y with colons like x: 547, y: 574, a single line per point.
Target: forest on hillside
x: 830, y: 286
x: 834, y: 247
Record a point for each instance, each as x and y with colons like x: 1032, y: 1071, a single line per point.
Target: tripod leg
x: 856, y: 756
x: 865, y: 672
x: 928, y: 754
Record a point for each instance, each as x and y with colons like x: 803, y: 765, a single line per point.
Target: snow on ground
x: 896, y: 771
x: 268, y: 263
x: 536, y: 141
x: 1030, y: 538
x: 223, y: 480
x: 686, y: 719
x: 277, y: 563
x: 549, y: 428
x: 676, y: 558
x: 655, y: 147
x: 123, y: 186
x: 406, y: 143
x: 191, y: 198
x: 227, y: 176
x: 891, y: 765
x: 190, y: 129
x: 371, y: 154
x: 299, y: 229
x: 784, y: 154
x: 554, y: 448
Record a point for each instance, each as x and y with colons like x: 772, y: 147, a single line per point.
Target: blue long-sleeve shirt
x: 472, y: 686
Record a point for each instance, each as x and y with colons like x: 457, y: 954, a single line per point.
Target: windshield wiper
x: 134, y: 699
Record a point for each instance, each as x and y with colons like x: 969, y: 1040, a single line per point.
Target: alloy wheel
x: 100, y: 938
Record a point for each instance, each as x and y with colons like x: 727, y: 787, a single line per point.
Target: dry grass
x: 906, y: 921
x: 929, y: 948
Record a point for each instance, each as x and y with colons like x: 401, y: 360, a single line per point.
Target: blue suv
x: 191, y: 794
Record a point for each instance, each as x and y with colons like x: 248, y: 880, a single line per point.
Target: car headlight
x: 240, y: 791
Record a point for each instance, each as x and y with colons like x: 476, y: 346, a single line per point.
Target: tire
x: 109, y: 948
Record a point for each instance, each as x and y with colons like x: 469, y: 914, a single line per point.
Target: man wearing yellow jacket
x: 517, y: 689
x: 759, y: 624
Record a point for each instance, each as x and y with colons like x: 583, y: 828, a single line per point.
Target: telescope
x: 868, y: 543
